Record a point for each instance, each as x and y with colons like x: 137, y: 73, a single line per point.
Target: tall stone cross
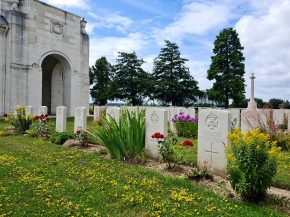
x: 211, y: 152
x: 252, y: 87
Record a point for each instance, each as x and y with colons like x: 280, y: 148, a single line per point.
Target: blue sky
x: 142, y: 26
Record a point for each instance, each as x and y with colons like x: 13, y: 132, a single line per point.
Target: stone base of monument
x: 252, y: 105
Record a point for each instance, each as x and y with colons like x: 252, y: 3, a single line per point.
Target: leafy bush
x: 125, y: 139
x: 165, y: 148
x: 185, y: 125
x: 20, y: 121
x: 200, y: 174
x: 40, y: 128
x: 252, y: 163
x: 82, y: 137
x: 60, y: 138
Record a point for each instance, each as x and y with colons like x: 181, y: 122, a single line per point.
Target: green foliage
x: 20, y: 121
x: 82, y: 137
x: 100, y: 75
x: 186, y: 129
x: 252, y: 163
x: 166, y: 149
x: 130, y: 81
x: 125, y: 139
x: 60, y: 138
x: 172, y: 82
x: 227, y: 68
x: 200, y: 174
x: 40, y: 128
x: 278, y: 103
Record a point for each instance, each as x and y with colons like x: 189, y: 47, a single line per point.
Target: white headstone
x: 113, y: 112
x: 265, y: 116
x: 235, y: 118
x: 250, y: 119
x: 61, y: 113
x: 213, y: 128
x: 173, y: 112
x: 98, y: 112
x: 278, y: 116
x: 43, y: 110
x: 80, y: 118
x: 29, y: 110
x: 130, y: 109
x: 156, y: 122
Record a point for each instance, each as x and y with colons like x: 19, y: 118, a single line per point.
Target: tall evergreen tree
x: 129, y: 80
x: 100, y: 79
x: 173, y: 83
x: 227, y: 68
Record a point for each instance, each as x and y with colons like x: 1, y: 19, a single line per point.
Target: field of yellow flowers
x: 42, y: 179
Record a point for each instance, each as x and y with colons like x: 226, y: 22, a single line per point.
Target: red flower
x: 78, y: 132
x: 46, y: 115
x: 157, y: 136
x: 44, y: 121
x: 187, y: 143
x: 37, y: 117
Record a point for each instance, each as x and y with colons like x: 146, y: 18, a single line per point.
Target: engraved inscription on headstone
x: 213, y: 128
x: 156, y: 122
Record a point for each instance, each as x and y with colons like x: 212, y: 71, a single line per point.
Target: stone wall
x: 38, y: 30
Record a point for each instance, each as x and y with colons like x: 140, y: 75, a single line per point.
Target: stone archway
x: 56, y: 82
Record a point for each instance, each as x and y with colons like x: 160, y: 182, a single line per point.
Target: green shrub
x: 185, y: 125
x: 186, y: 129
x: 125, y: 139
x: 82, y: 137
x: 252, y: 163
x: 20, y: 121
x: 40, y: 128
x: 166, y: 148
x: 60, y: 138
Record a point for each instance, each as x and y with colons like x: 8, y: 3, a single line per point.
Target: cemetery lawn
x: 42, y: 179
x: 282, y: 178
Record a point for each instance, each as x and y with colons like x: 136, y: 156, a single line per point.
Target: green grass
x: 42, y: 179
x: 282, y: 178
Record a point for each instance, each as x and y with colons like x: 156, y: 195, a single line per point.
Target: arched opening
x: 56, y: 82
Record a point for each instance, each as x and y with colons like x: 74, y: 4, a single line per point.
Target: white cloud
x: 83, y: 4
x: 110, y: 20
x: 196, y: 18
x: 110, y: 46
x: 267, y: 50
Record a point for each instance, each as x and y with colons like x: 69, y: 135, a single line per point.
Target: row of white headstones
x: 213, y: 128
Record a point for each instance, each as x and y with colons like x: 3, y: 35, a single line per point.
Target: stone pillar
x: 43, y: 110
x: 213, y: 128
x: 156, y: 122
x: 98, y: 112
x: 61, y: 113
x: 80, y: 118
x: 29, y: 110
x: 252, y: 104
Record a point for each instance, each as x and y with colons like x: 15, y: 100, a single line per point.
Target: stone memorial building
x: 44, y: 57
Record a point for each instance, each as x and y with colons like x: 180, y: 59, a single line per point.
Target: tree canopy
x: 129, y: 79
x: 227, y: 68
x: 100, y: 79
x: 172, y: 82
